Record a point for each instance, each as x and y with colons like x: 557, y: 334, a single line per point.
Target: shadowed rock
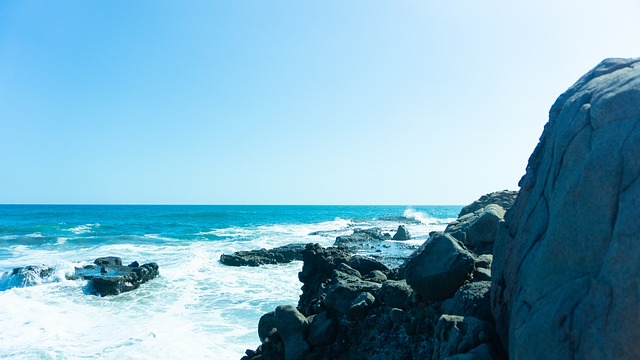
x: 504, y: 199
x: 439, y: 267
x: 566, y: 262
x: 402, y: 233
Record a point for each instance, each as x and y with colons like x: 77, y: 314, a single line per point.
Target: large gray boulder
x: 439, y: 267
x: 477, y: 230
x: 566, y: 267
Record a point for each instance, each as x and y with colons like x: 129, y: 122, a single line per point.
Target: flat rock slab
x: 280, y: 255
x: 107, y: 276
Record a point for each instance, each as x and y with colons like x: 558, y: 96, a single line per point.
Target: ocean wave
x: 83, y: 229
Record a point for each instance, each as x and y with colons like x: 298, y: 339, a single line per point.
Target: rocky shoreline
x: 550, y: 272
x: 435, y: 305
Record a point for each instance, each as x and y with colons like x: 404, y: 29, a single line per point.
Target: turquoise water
x: 197, y: 308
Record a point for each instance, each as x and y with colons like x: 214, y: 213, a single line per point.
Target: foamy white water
x: 197, y: 308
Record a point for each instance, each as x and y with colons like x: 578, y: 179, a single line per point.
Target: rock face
x: 567, y: 260
x: 402, y: 233
x: 360, y: 236
x: 439, y: 267
x: 504, y: 199
x: 109, y: 277
x: 279, y: 255
x: 355, y: 307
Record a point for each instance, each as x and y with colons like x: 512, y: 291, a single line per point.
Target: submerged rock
x: 279, y: 255
x: 108, y: 277
x: 25, y: 276
x: 566, y: 262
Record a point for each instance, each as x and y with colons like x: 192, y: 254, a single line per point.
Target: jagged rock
x: 482, y: 274
x: 566, y: 262
x: 360, y: 236
x: 279, y: 255
x: 322, y: 330
x: 395, y: 293
x: 266, y: 325
x: 25, y: 276
x: 365, y: 264
x: 402, y: 233
x: 361, y: 305
x: 319, y: 264
x: 477, y: 230
x: 504, y: 199
x: 459, y: 335
x: 292, y: 327
x: 471, y: 299
x: 108, y: 277
x: 340, y: 296
x: 439, y: 267
x: 376, y: 276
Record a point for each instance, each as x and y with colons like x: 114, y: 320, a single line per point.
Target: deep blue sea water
x: 197, y: 308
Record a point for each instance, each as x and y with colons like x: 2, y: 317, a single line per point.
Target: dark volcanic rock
x: 109, y: 277
x: 279, y: 255
x: 402, y: 233
x: 25, y: 276
x: 478, y: 230
x: 439, y: 267
x: 504, y: 199
x: 360, y: 236
x: 457, y: 335
x: 566, y: 263
x: 319, y: 265
x: 471, y: 299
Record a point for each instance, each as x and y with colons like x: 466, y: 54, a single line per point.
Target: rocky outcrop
x: 439, y: 267
x: 361, y: 236
x: 567, y: 260
x: 504, y: 199
x: 402, y: 233
x: 25, y: 276
x: 279, y: 255
x: 107, y: 276
x: 477, y: 225
x: 436, y: 306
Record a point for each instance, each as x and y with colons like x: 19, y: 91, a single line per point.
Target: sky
x: 287, y: 102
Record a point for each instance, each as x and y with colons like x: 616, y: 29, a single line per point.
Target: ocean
x: 197, y: 308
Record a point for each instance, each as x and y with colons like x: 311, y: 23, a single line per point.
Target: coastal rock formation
x: 279, y: 255
x: 361, y: 236
x: 109, y: 277
x: 567, y: 260
x: 504, y: 199
x: 354, y: 307
x: 402, y: 233
x: 25, y: 276
x: 439, y: 267
x: 477, y: 225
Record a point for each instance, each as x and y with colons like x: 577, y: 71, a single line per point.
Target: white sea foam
x: 197, y: 308
x: 83, y: 229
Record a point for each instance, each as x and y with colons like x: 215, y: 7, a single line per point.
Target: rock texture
x: 402, y: 233
x: 279, y: 255
x: 566, y: 265
x: 355, y: 307
x: 107, y: 276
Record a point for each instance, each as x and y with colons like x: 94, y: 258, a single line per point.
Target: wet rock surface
x: 280, y: 255
x: 107, y: 276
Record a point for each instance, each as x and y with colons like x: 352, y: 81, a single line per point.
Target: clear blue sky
x: 287, y: 102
